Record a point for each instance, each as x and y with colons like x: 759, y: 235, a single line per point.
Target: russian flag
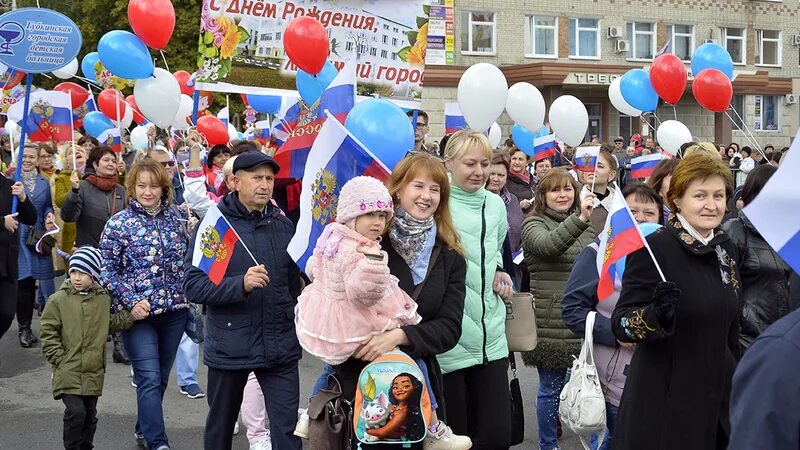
x: 453, y: 119
x: 214, y: 244
x: 224, y: 116
x: 49, y: 117
x: 775, y: 212
x: 586, y: 158
x: 335, y: 158
x: 544, y: 147
x: 643, y: 166
x: 304, y: 123
x: 619, y: 238
x: 111, y: 138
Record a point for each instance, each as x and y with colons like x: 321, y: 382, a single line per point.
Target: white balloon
x: 127, y: 119
x: 525, y: 105
x: 184, y: 110
x: 671, y: 134
x: 139, y: 140
x: 13, y: 129
x: 158, y: 97
x: 495, y: 135
x: 68, y: 71
x: 232, y: 133
x: 482, y: 95
x: 615, y: 95
x: 569, y: 119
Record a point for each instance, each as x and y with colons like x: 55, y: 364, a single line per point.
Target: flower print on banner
x: 414, y: 53
x: 219, y: 37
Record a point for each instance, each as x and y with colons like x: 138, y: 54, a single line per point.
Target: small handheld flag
x: 54, y: 230
x: 643, y: 166
x: 214, y: 245
x: 544, y: 147
x: 586, y: 159
x: 453, y: 119
x: 111, y: 138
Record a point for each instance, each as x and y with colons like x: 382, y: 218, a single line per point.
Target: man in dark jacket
x: 765, y: 405
x: 250, y: 325
x: 9, y: 246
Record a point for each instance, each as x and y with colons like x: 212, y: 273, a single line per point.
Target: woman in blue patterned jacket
x: 143, y: 250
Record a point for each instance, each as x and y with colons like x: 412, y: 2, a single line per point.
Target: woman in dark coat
x: 686, y: 328
x: 423, y: 251
x: 765, y: 276
x: 520, y: 180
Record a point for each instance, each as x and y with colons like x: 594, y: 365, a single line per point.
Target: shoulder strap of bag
x: 512, y: 361
x: 587, y: 356
x: 434, y: 257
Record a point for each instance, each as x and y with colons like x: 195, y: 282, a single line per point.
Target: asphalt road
x: 31, y: 419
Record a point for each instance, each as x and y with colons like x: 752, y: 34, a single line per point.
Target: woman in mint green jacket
x: 476, y: 369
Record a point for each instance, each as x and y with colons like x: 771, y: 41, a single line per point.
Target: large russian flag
x: 544, y: 147
x: 775, y: 212
x: 213, y: 247
x: 49, y: 117
x: 620, y: 238
x: 335, y: 158
x: 586, y: 158
x: 304, y: 123
x: 643, y: 166
x: 224, y: 116
x: 453, y: 119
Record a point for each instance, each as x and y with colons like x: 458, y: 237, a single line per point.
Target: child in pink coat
x: 353, y: 296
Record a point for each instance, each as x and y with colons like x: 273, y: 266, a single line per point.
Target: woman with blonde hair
x: 476, y: 369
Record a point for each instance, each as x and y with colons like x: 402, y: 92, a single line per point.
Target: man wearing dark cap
x: 250, y: 325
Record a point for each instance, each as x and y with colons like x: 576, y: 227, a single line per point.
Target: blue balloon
x: 646, y: 228
x: 309, y: 87
x: 327, y: 74
x: 125, y: 55
x: 523, y: 138
x: 87, y: 65
x: 383, y: 128
x: 712, y: 56
x: 637, y: 90
x: 265, y: 104
x: 96, y: 122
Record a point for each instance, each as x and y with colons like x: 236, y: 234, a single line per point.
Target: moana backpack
x: 392, y: 403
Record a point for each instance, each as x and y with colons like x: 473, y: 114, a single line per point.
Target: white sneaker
x: 301, y: 429
x: 262, y: 445
x: 236, y: 427
x: 443, y: 438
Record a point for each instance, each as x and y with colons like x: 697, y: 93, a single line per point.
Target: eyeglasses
x: 421, y: 124
x: 168, y: 164
x: 420, y: 152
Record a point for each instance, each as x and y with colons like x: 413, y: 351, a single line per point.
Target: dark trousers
x: 80, y: 421
x: 26, y: 297
x: 478, y: 404
x: 281, y: 388
x: 8, y: 303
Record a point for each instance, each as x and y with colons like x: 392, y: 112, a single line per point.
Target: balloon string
x: 675, y: 112
x: 165, y: 60
x: 646, y: 122
x: 747, y: 129
x: 747, y: 134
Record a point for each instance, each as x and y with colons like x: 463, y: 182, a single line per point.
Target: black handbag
x: 330, y: 415
x: 517, y: 412
x: 36, y: 233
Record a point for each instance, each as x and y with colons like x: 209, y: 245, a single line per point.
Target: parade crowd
x: 701, y: 357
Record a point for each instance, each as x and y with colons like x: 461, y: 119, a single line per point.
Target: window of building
x: 584, y: 38
x: 643, y: 40
x: 767, y: 113
x: 738, y: 105
x: 543, y: 32
x: 769, y: 47
x: 278, y: 36
x: 385, y: 39
x: 396, y: 30
x: 385, y: 27
x: 478, y: 32
x: 394, y: 42
x: 735, y: 40
x: 394, y: 56
x: 373, y: 51
x: 681, y: 40
x: 349, y: 46
x: 384, y: 54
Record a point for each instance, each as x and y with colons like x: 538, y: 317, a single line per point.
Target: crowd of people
x: 422, y: 263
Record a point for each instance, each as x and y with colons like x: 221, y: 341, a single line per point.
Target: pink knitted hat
x: 363, y: 195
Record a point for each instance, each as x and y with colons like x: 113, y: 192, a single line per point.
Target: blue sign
x: 37, y: 40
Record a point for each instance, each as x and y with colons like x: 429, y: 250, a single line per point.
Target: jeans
x: 152, y: 344
x: 550, y: 384
x: 46, y: 289
x: 327, y: 369
x: 611, y: 419
x: 186, y: 361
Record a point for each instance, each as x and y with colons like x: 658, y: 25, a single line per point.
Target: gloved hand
x: 665, y: 299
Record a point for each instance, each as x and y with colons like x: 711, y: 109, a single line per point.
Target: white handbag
x: 582, y: 406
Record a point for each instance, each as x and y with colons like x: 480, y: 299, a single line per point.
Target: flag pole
x: 18, y: 171
x: 119, y: 129
x: 594, y: 178
x: 72, y: 135
x: 11, y: 147
x: 646, y: 245
x: 242, y: 241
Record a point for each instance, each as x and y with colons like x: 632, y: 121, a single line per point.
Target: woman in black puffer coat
x: 765, y: 276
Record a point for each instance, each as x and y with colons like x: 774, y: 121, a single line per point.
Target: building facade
x: 579, y: 47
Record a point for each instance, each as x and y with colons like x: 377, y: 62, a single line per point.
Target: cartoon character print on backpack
x: 376, y: 413
x: 405, y: 421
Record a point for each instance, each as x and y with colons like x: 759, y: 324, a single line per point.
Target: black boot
x: 25, y: 336
x: 119, y: 355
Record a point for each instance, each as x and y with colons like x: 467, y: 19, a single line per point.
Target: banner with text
x: 241, y: 42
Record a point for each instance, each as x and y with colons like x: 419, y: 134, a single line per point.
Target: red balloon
x: 153, y: 21
x: 213, y: 130
x: 137, y: 116
x: 713, y: 90
x: 306, y: 44
x: 78, y: 94
x: 107, y: 102
x: 668, y: 77
x: 183, y: 80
